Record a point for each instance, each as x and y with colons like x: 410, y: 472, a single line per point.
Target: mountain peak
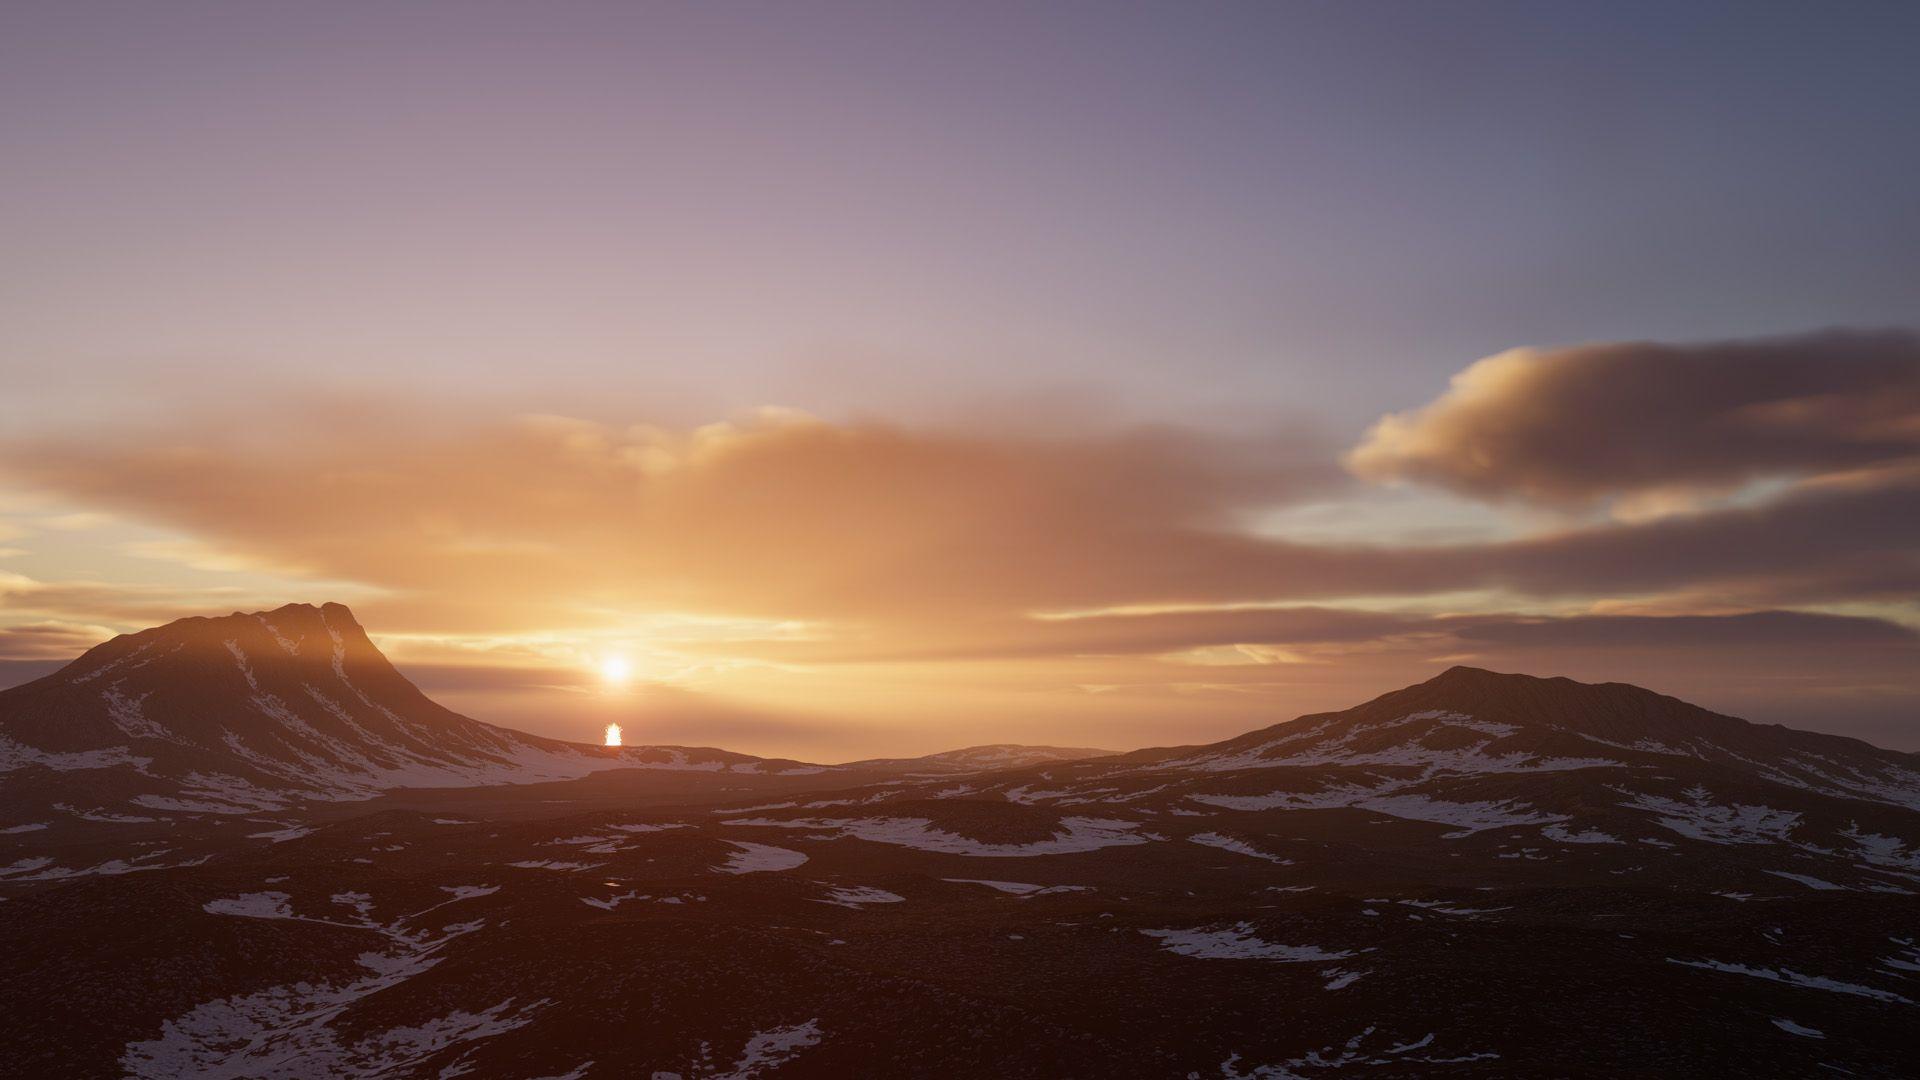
x: 1603, y: 712
x: 303, y: 635
x: 1465, y: 675
x: 1463, y: 679
x: 329, y: 616
x: 288, y: 622
x: 1552, y: 700
x: 329, y: 610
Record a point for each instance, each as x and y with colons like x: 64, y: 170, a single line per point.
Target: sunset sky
x: 880, y: 379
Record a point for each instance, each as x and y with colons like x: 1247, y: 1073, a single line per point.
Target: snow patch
x: 1239, y: 847
x: 1809, y: 882
x: 1238, y: 942
x: 1794, y: 978
x: 1584, y: 836
x: 772, y: 1048
x: 1700, y: 818
x: 1020, y: 888
x: 760, y: 858
x: 1801, y: 1030
x: 857, y: 895
x: 1077, y: 834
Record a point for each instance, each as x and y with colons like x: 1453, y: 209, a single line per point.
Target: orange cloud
x: 926, y: 539
x: 49, y: 640
x: 1657, y: 421
x: 778, y: 515
x: 781, y: 566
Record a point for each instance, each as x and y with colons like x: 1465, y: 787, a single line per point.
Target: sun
x: 616, y: 670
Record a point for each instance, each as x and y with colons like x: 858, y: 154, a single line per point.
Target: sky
x: 879, y: 379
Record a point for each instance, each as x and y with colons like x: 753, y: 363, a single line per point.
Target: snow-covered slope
x: 1526, y: 768
x: 254, y: 711
x: 1467, y: 721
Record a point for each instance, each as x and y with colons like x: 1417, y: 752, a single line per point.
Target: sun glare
x: 615, y: 670
x: 613, y: 734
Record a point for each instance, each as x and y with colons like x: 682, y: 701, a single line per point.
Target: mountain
x: 1513, y: 760
x: 1482, y: 875
x: 1467, y: 721
x: 255, y: 712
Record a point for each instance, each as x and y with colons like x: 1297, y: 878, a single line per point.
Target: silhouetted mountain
x: 260, y: 711
x: 1481, y: 875
x: 1471, y: 722
x: 1477, y: 752
x: 257, y: 711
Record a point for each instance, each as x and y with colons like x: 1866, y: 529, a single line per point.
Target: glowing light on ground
x: 613, y: 734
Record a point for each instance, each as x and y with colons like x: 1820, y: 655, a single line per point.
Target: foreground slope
x: 1483, y: 875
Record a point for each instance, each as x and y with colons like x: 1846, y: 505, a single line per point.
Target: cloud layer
x: 1639, y: 418
x: 801, y: 565
x: 778, y: 515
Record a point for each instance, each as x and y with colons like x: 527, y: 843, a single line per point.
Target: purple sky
x: 1213, y: 209
x: 302, y: 238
